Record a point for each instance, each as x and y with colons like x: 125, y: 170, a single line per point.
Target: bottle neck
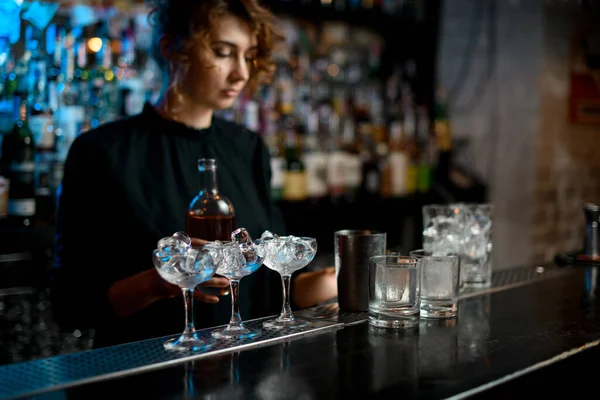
x: 23, y: 112
x: 20, y: 111
x: 208, y: 182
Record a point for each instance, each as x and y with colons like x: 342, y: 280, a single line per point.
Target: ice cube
x: 477, y: 247
x: 269, y: 248
x: 295, y: 252
x: 261, y: 248
x: 182, y: 236
x: 390, y: 284
x: 195, y: 261
x: 249, y: 252
x: 213, y: 244
x: 166, y: 261
x: 240, y: 236
x: 172, y: 244
x: 443, y: 234
x: 215, y: 248
x: 169, y: 251
x: 444, y: 247
x: 268, y: 235
x: 437, y: 281
x: 232, y: 260
x: 480, y: 223
x: 477, y: 234
x: 396, y: 282
x: 157, y: 259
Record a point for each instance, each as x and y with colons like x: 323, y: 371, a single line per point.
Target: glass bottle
x: 294, y: 187
x: 18, y: 165
x: 443, y: 135
x: 371, y: 166
x: 397, y: 160
x: 211, y: 215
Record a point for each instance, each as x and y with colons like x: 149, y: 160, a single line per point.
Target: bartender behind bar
x: 129, y: 183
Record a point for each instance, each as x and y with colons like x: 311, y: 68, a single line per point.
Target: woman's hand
x: 208, y: 292
x: 168, y: 290
x: 138, y: 291
x: 312, y: 288
x: 198, y: 242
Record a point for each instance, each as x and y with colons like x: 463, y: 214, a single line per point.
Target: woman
x: 128, y: 183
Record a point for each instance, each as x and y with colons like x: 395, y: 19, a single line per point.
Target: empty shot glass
x: 394, y: 291
x: 440, y: 283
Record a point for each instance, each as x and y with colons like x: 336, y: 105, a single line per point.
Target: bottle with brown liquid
x: 211, y: 215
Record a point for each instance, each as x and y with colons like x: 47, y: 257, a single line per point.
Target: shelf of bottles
x: 335, y: 125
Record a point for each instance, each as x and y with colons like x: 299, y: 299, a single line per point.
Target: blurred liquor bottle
x: 18, y: 165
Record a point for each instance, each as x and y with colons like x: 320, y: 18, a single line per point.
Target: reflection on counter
x: 420, y: 358
x: 280, y: 382
x: 209, y: 380
x: 474, y: 327
x: 589, y: 300
x: 29, y: 331
x: 226, y: 384
x: 438, y: 350
x: 394, y: 354
x: 591, y: 281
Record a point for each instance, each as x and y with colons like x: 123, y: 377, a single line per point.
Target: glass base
x: 438, y: 310
x: 380, y: 320
x: 235, y: 332
x: 187, y: 343
x: 285, y: 323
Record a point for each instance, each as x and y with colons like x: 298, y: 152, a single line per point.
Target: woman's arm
x: 131, y: 294
x: 136, y: 292
x: 312, y: 288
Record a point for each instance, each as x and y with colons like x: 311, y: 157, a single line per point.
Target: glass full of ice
x: 180, y: 264
x: 463, y: 229
x: 236, y: 259
x: 285, y: 255
x: 394, y: 291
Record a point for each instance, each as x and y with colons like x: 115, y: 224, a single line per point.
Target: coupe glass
x: 286, y: 255
x: 180, y: 264
x: 234, y: 261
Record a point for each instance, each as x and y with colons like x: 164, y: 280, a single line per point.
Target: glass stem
x: 188, y: 298
x: 286, y: 311
x: 235, y: 302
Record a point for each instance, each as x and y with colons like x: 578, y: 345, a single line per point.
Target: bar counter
x: 535, y: 328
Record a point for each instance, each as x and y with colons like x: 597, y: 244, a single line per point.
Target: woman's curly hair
x: 190, y: 22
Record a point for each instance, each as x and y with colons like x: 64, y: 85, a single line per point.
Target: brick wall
x: 567, y: 156
x: 540, y: 168
x: 496, y: 108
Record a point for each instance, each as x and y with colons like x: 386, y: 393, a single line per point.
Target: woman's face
x: 217, y: 76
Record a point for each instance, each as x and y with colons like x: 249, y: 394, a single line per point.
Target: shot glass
x: 440, y: 283
x: 394, y: 291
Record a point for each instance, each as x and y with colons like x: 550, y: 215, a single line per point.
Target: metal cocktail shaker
x: 353, y: 248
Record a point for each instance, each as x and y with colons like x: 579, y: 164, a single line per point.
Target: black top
x: 129, y: 183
